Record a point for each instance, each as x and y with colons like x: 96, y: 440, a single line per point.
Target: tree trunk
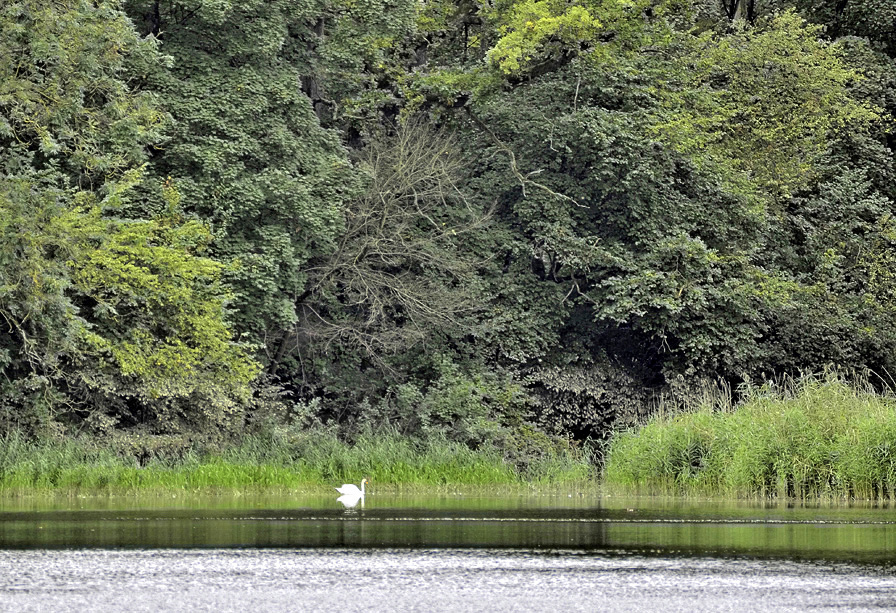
x: 740, y: 9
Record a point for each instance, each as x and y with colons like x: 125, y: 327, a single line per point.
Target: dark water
x: 447, y: 553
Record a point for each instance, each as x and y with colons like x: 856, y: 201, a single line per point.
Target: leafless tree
x: 398, y: 273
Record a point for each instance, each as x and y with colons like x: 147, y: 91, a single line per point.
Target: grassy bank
x: 816, y: 437
x: 296, y: 461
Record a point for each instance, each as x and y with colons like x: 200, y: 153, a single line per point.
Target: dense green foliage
x: 108, y: 319
x: 508, y: 225
x: 820, y: 437
x: 246, y: 150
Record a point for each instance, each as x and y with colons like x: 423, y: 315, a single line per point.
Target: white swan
x: 350, y: 489
x: 351, y: 495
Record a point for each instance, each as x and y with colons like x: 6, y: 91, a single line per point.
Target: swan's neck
x: 362, y: 486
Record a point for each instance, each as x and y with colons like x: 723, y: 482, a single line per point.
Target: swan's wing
x: 349, y: 489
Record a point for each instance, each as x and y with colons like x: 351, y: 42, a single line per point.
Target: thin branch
x: 523, y: 179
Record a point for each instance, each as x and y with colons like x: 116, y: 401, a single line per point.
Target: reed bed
x: 808, y: 438
x: 275, y: 460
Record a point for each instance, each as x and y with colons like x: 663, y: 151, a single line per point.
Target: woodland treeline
x: 507, y: 220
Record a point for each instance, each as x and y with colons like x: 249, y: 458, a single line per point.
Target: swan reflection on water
x: 351, y: 494
x: 350, y: 501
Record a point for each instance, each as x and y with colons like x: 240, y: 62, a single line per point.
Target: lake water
x: 443, y: 553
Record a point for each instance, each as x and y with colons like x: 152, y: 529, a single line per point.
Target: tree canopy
x: 107, y: 317
x: 463, y: 217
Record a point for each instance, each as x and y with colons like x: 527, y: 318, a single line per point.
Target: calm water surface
x: 443, y: 553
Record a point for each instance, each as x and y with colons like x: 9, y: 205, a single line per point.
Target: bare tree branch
x: 398, y: 274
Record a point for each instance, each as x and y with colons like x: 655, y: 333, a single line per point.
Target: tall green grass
x: 815, y: 437
x: 275, y: 459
